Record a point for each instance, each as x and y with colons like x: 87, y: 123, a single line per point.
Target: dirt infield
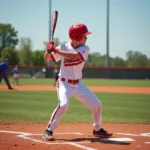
x: 140, y: 90
x: 75, y: 136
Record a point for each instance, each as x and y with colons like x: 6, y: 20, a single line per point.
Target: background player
x: 73, y: 56
x: 16, y: 75
x: 3, y: 73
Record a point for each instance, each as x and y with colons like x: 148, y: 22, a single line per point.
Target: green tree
x: 12, y: 55
x: 118, y: 62
x: 38, y: 58
x: 136, y: 59
x: 25, y: 53
x: 8, y: 36
x: 148, y: 63
x: 95, y: 59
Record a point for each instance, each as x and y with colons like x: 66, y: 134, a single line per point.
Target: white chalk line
x: 14, y: 132
x: 75, y: 133
x: 25, y: 136
x: 44, y: 142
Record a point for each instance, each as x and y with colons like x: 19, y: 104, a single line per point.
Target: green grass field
x: 94, y: 82
x: 36, y: 107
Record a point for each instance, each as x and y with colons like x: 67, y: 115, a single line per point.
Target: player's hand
x: 51, y: 48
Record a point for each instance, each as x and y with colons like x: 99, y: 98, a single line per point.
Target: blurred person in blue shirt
x: 3, y: 73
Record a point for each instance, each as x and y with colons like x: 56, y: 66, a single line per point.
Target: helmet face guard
x: 77, y: 31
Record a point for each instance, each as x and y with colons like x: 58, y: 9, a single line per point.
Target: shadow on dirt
x: 94, y: 140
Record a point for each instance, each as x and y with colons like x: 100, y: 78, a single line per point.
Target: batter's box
x: 37, y: 138
x: 60, y: 138
x: 75, y: 139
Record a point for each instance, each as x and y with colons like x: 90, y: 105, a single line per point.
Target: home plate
x: 117, y: 140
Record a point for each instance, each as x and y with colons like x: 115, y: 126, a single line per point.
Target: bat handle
x: 52, y: 35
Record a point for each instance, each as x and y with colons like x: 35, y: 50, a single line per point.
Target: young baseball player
x: 3, y: 73
x: 73, y: 56
x: 16, y: 75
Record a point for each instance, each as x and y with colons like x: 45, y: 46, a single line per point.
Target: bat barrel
x: 54, y: 22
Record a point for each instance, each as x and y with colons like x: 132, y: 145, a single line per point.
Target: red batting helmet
x: 76, y: 31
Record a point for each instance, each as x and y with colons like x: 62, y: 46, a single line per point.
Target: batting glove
x: 50, y: 47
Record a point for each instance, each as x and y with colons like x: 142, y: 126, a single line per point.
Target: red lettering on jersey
x: 72, y: 62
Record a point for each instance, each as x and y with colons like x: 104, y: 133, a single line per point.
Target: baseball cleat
x: 102, y: 133
x: 48, y: 136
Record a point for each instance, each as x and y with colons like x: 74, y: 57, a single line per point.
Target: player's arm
x: 69, y: 55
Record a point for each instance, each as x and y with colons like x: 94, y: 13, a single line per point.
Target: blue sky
x: 129, y: 22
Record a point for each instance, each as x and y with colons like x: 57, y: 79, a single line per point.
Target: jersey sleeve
x: 55, y: 57
x: 84, y: 52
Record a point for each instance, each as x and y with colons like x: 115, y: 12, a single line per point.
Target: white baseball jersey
x: 16, y: 72
x: 71, y: 69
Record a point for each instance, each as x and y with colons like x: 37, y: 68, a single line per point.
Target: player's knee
x: 98, y: 105
x: 64, y: 108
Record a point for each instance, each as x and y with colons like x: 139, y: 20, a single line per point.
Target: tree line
x: 25, y: 55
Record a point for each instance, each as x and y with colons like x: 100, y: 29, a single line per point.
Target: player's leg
x: 1, y: 77
x: 90, y: 100
x: 7, y: 81
x: 63, y: 92
x: 13, y: 80
x: 18, y: 81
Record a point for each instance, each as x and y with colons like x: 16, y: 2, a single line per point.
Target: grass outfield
x: 94, y: 82
x: 36, y: 107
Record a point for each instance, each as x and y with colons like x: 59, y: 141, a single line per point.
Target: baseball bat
x: 53, y: 23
